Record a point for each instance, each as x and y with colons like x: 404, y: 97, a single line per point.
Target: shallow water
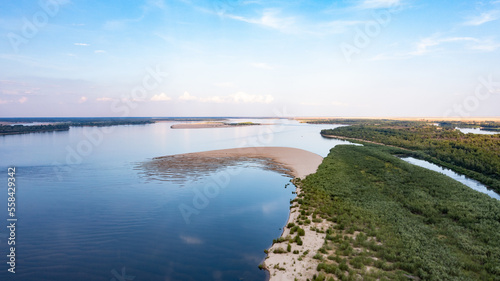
x: 85, y: 212
x: 458, y: 177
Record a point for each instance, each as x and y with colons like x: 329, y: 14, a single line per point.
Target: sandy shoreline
x: 288, y: 266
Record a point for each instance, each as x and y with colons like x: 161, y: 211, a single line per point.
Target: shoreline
x: 283, y: 265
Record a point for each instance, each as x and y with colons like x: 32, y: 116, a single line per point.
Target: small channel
x: 458, y: 177
x: 476, y: 131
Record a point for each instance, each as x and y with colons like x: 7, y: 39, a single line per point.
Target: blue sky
x: 250, y: 58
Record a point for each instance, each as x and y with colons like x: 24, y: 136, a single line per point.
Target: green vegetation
x: 20, y: 129
x: 62, y: 124
x: 242, y: 124
x: 484, y: 125
x: 395, y: 221
x: 476, y: 156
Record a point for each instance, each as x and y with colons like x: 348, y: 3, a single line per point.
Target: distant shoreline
x: 206, y: 125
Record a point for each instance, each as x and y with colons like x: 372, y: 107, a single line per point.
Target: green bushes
x: 416, y: 222
x: 301, y: 232
x: 318, y: 256
x: 279, y: 251
x: 477, y: 156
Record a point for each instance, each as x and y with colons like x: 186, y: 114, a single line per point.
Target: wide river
x: 86, y: 211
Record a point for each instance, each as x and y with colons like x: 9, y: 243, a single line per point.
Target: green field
x: 396, y: 221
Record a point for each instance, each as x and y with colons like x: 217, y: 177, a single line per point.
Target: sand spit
x: 205, y: 125
x: 293, y: 161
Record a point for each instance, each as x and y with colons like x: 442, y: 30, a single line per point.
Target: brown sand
x: 300, y: 162
x: 293, y: 161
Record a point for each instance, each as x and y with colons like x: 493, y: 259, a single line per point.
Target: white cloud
x: 186, y: 96
x: 239, y: 97
x: 431, y: 44
x: 472, y: 44
x: 337, y: 26
x: 81, y: 44
x: 99, y: 51
x: 190, y: 240
x: 104, y: 99
x: 82, y: 99
x: 269, y: 19
x: 23, y: 100
x: 261, y: 65
x: 161, y: 97
x: 378, y: 4
x: 485, y: 46
x: 4, y: 101
x: 483, y: 18
x: 159, y: 4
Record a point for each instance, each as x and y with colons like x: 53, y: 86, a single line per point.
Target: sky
x: 373, y: 58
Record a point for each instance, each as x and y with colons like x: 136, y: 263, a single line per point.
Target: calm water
x: 85, y: 212
x: 458, y: 177
x: 476, y: 131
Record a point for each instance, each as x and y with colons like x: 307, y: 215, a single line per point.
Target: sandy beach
x: 287, y: 266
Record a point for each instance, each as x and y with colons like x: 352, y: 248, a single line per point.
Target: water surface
x: 477, y: 131
x: 87, y: 213
x: 458, y: 177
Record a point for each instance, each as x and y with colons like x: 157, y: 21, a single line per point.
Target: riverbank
x: 296, y: 262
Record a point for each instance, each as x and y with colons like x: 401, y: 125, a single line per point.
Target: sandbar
x: 293, y: 161
x: 205, y: 125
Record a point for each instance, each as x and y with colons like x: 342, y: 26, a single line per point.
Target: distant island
x: 205, y: 125
x: 11, y: 126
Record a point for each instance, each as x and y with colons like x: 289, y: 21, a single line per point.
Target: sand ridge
x: 298, y: 162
